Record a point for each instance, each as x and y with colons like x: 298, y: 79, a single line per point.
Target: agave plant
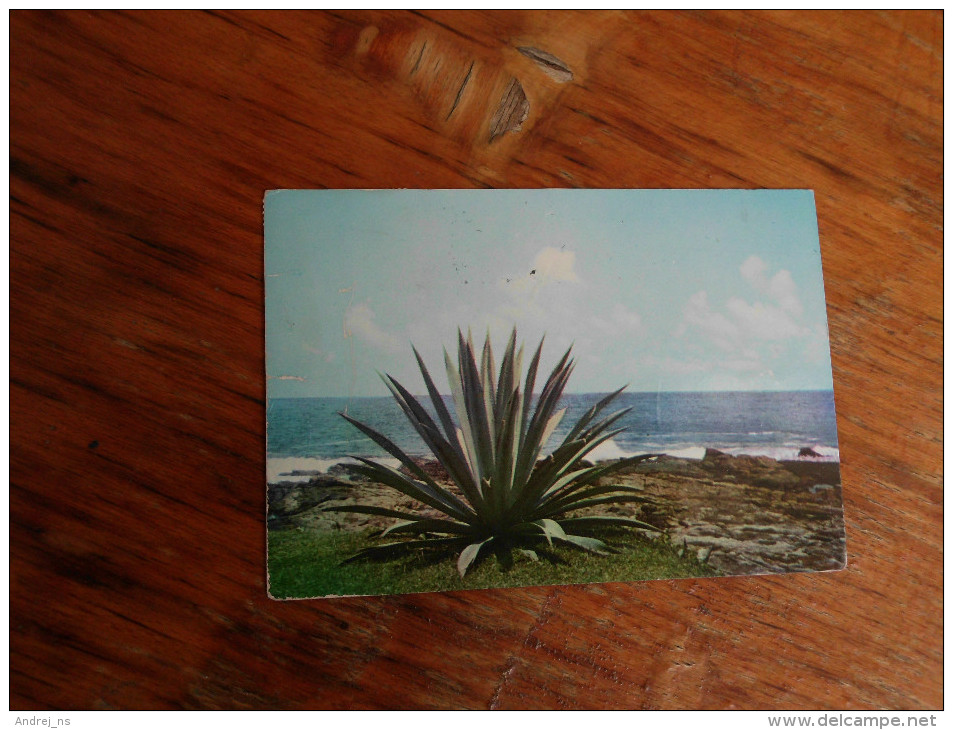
x: 505, y: 493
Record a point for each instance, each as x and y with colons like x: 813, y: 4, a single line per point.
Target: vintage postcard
x: 488, y: 388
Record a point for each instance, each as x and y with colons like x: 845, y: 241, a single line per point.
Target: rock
x: 768, y: 520
x: 432, y: 468
x: 741, y: 514
x: 779, y: 478
x: 760, y: 471
x: 809, y: 453
x: 658, y: 514
x: 715, y: 460
x: 812, y: 472
x: 286, y: 499
x: 664, y: 464
x: 343, y: 470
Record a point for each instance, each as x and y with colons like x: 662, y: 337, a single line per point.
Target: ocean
x: 306, y: 435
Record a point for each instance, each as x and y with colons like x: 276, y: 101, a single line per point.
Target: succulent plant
x: 506, y: 496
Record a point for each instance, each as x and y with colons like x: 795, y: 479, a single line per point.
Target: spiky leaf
x: 468, y: 555
x: 492, y: 451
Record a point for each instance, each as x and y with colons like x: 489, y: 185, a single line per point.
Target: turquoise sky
x: 665, y: 290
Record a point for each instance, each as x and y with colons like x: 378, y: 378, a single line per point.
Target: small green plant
x: 509, y: 498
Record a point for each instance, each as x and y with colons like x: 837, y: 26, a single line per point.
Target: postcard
x: 494, y: 388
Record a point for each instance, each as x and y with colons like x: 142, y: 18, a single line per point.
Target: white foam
x: 780, y: 453
x: 786, y: 453
x: 689, y: 452
x: 610, y: 450
x: 280, y: 469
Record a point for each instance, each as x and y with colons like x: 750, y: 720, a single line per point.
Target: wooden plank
x: 141, y: 145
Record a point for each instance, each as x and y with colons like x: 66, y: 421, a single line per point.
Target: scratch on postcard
x: 350, y: 340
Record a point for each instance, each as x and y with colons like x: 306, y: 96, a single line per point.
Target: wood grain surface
x: 141, y: 145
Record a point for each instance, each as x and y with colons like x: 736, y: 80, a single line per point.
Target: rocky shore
x: 743, y: 514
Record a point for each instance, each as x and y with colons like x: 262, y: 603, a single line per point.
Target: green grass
x: 306, y: 563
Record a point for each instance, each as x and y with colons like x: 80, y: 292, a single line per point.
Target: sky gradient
x: 663, y: 290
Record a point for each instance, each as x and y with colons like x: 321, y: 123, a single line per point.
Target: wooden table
x: 141, y: 145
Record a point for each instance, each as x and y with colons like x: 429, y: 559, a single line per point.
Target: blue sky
x: 668, y: 290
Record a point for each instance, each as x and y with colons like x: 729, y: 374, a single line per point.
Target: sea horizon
x: 306, y: 435
x: 424, y: 394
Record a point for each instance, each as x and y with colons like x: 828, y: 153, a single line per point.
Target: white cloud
x: 550, y: 266
x: 740, y: 321
x: 716, y: 327
x: 360, y: 320
x: 755, y: 335
x: 544, y: 299
x: 784, y: 291
x: 620, y: 320
x: 754, y: 270
x: 554, y: 264
x: 780, y: 287
x: 763, y: 321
